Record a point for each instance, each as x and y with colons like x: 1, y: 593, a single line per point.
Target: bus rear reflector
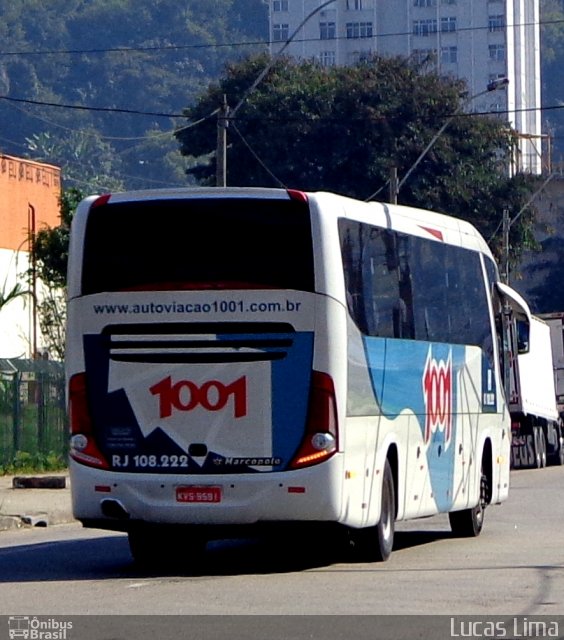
x: 321, y: 437
x: 83, y: 447
x: 294, y: 194
x: 103, y: 199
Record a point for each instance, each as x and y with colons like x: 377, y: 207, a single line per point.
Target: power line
x: 213, y: 113
x: 264, y: 43
x: 257, y: 158
x: 41, y: 103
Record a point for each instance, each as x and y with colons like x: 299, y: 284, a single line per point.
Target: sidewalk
x: 42, y: 500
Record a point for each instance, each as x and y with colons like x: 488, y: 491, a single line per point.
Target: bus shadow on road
x: 108, y: 557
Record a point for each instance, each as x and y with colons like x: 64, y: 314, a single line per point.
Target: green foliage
x: 147, y: 57
x: 7, y: 295
x: 51, y: 245
x: 50, y: 251
x: 342, y: 129
x: 552, y: 59
x: 547, y: 292
x: 25, y: 462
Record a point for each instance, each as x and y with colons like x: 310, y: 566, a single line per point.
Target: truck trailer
x: 536, y: 402
x: 556, y: 323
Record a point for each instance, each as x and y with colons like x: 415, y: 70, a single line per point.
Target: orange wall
x: 24, y: 183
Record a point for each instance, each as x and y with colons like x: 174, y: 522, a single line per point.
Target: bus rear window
x: 198, y: 244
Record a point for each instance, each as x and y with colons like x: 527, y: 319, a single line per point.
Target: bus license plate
x: 198, y: 494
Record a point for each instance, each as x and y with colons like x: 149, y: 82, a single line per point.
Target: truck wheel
x: 559, y: 455
x: 540, y: 448
x: 375, y: 544
x: 537, y: 448
x: 468, y: 523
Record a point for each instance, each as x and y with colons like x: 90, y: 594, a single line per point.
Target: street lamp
x: 494, y: 85
x: 506, y: 223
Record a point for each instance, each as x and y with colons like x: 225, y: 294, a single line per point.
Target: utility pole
x: 499, y: 83
x: 32, y: 230
x: 505, y: 246
x: 221, y: 151
x: 225, y: 113
x: 394, y: 186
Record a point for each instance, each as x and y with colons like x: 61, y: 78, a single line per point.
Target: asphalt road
x: 515, y: 568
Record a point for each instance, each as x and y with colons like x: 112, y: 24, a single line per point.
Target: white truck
x: 556, y: 323
x: 533, y: 386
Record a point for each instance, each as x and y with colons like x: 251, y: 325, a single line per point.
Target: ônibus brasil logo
x: 35, y: 628
x: 212, y: 395
x: 437, y: 391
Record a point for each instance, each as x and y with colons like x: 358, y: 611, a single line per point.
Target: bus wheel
x: 375, y: 544
x: 468, y: 523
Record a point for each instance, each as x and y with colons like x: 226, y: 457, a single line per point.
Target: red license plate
x: 198, y: 494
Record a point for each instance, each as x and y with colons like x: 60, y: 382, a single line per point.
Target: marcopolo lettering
x: 212, y: 395
x: 253, y: 462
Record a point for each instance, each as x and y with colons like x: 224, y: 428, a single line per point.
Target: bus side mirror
x: 523, y: 333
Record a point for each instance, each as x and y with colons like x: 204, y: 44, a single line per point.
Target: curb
x: 39, y: 482
x: 34, y: 501
x: 10, y: 522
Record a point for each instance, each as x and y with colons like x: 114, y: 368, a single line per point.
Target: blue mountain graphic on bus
x: 431, y: 372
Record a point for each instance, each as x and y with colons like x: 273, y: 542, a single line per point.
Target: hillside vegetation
x: 120, y: 71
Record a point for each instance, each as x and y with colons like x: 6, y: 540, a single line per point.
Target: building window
x: 497, y: 52
x: 327, y: 31
x: 356, y: 57
x: 327, y: 58
x: 279, y: 5
x: 424, y: 3
x: 423, y: 55
x: 354, y: 5
x: 496, y: 23
x: 359, y: 29
x: 448, y: 25
x: 448, y: 1
x: 280, y: 32
x: 424, y: 27
x: 449, y: 55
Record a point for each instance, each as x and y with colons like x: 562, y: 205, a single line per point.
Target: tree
x: 118, y: 69
x: 552, y: 58
x: 342, y: 129
x: 7, y: 295
x: 50, y: 255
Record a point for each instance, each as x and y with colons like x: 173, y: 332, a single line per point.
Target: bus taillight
x: 320, y: 441
x: 83, y: 447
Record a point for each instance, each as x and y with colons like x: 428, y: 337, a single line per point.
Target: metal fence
x: 33, y: 418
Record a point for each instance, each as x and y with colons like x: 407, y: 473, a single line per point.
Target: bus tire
x: 468, y: 523
x: 375, y: 544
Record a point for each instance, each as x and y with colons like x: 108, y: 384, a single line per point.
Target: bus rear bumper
x: 119, y: 501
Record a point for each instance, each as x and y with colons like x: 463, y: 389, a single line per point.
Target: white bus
x: 243, y: 359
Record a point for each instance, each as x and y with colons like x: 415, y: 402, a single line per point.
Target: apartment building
x: 478, y: 40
